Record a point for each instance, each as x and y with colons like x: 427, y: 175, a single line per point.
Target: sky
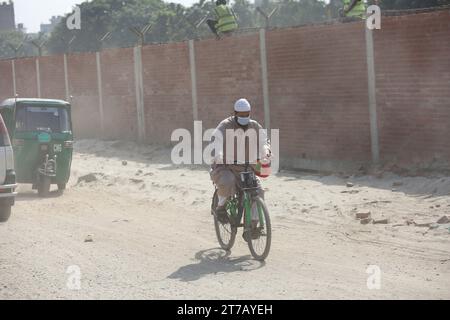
x: 34, y: 12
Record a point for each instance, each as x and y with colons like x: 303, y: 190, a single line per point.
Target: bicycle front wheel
x: 260, y: 239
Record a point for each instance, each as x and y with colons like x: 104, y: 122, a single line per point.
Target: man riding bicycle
x: 227, y: 166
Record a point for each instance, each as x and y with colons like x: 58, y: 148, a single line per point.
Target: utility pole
x: 69, y: 44
x: 19, y: 47
x: 140, y: 33
x: 39, y: 46
x: 103, y: 39
x: 16, y: 49
x: 266, y: 16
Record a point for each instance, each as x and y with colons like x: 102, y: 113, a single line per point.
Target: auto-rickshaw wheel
x: 5, y: 211
x: 61, y: 186
x: 44, y: 186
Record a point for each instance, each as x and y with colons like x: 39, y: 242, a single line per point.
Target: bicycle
x: 239, y: 214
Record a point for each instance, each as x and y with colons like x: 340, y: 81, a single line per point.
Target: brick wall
x: 52, y: 77
x: 83, y: 86
x: 412, y: 61
x: 119, y: 95
x: 318, y: 91
x: 167, y: 90
x: 226, y: 71
x: 26, y: 80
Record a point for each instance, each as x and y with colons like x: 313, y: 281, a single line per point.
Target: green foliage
x: 291, y: 12
x: 174, y: 22
x: 12, y: 41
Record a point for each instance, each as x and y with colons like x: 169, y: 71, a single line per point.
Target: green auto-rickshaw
x: 41, y: 130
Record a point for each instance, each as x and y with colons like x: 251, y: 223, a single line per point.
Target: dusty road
x: 153, y: 236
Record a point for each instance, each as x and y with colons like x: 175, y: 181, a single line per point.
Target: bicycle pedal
x: 246, y: 236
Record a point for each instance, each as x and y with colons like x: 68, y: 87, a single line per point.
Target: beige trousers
x: 226, y: 178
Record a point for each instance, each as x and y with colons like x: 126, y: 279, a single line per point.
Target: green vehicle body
x: 27, y: 144
x: 232, y: 206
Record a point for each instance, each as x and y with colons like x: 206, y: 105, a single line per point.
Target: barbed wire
x: 414, y: 11
x: 252, y: 30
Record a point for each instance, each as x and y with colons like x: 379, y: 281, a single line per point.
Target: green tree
x: 246, y: 14
x: 115, y: 16
x: 170, y: 22
x: 174, y: 22
x: 10, y: 40
x: 294, y: 12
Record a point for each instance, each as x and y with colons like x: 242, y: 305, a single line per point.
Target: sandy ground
x: 153, y: 235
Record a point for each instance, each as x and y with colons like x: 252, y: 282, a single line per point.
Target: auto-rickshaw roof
x: 9, y: 103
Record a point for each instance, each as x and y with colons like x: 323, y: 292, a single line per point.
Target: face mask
x: 243, y: 121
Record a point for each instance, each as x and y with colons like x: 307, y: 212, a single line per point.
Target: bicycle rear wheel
x: 260, y: 239
x: 225, y: 232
